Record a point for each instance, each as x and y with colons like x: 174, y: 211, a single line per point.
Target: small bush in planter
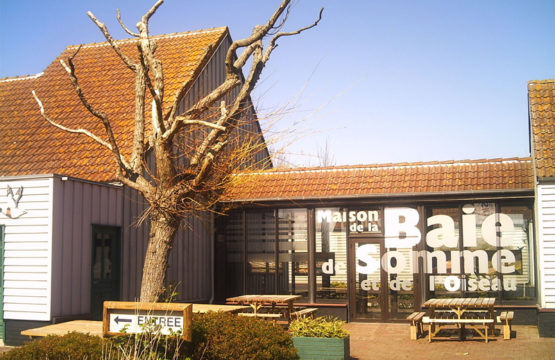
x: 322, y: 327
x: 320, y: 338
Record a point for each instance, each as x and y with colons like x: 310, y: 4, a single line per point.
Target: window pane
x: 331, y: 256
x: 233, y: 253
x: 293, y: 252
x: 97, y: 257
x: 478, y: 249
x: 519, y: 285
x: 441, y: 260
x: 261, y: 248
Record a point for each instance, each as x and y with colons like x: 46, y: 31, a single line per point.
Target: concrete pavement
x: 391, y: 341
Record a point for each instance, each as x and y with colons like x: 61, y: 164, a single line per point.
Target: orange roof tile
x: 541, y: 95
x: 30, y: 145
x: 385, y: 179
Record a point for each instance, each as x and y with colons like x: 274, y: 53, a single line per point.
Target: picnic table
x: 257, y: 302
x: 477, y: 313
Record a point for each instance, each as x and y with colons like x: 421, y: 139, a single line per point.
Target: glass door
x: 381, y: 285
x: 105, y: 267
x: 368, y: 296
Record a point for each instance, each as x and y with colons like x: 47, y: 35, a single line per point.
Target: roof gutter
x: 391, y: 195
x: 116, y: 184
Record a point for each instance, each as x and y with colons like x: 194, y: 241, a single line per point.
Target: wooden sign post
x: 121, y: 317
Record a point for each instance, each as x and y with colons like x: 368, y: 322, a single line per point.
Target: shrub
x: 322, y: 327
x: 71, y: 346
x: 145, y: 346
x: 226, y: 336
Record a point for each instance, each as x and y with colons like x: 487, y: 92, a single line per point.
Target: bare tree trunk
x: 162, y: 232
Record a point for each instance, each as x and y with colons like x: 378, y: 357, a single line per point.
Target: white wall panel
x: 546, y: 238
x: 27, y: 256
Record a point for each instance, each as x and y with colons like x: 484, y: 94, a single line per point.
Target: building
x: 366, y: 243
x: 69, y: 234
x: 373, y: 242
x: 542, y: 144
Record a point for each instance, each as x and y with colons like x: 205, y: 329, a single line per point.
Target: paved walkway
x: 391, y: 341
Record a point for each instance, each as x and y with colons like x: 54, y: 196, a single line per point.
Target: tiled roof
x: 385, y: 180
x: 31, y: 146
x: 542, y: 121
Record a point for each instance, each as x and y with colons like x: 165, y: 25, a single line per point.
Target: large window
x: 480, y: 250
x: 471, y: 249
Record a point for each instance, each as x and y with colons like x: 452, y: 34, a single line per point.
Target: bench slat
x: 457, y: 321
x: 306, y: 311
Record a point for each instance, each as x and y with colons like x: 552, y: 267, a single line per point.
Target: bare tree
x: 176, y: 188
x: 324, y: 155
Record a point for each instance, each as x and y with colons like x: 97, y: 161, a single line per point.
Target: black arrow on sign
x: 118, y: 320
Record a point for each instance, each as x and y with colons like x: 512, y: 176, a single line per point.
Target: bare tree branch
x: 139, y: 146
x: 186, y: 121
x: 154, y: 66
x: 253, y: 49
x: 203, y: 105
x: 149, y: 13
x: 213, y: 134
x: 258, y: 33
x: 273, y: 43
x: 118, y: 16
x: 75, y: 131
x: 126, y: 60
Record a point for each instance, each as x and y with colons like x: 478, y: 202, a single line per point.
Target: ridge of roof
x: 545, y: 81
x: 21, y: 77
x: 156, y: 37
x: 389, y: 166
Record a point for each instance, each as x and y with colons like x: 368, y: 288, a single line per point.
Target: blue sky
x: 379, y: 81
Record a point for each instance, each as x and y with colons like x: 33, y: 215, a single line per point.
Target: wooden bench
x: 506, y: 317
x: 436, y: 324
x: 303, y: 313
x: 416, y: 327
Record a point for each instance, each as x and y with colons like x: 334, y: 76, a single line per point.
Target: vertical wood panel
x: 86, y: 246
x: 67, y: 246
x: 76, y: 245
x: 57, y: 246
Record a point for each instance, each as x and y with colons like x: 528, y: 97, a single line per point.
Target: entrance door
x: 105, y: 267
x: 375, y: 293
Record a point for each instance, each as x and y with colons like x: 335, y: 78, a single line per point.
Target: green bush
x: 322, y: 327
x: 218, y: 336
x: 225, y: 336
x: 71, y: 346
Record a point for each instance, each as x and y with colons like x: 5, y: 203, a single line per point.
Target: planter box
x: 310, y: 348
